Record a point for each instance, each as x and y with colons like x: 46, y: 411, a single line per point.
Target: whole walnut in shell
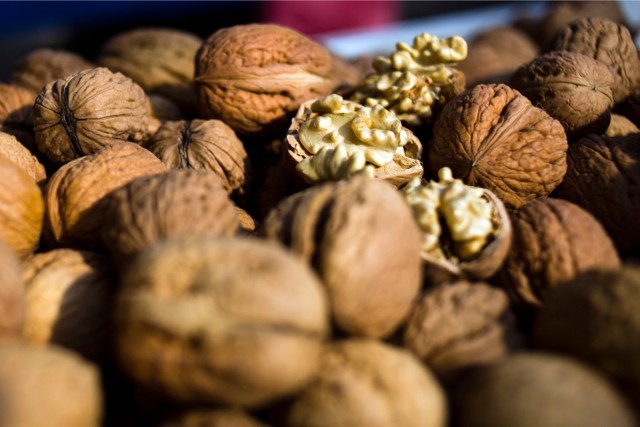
x: 254, y: 76
x: 16, y: 103
x: 573, y: 88
x: 13, y: 150
x: 491, y: 136
x: 620, y: 126
x: 214, y: 320
x: 12, y: 304
x: 80, y: 114
x: 361, y: 238
x: 369, y: 383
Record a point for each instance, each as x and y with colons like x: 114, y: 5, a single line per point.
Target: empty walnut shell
x: 254, y: 76
x: 221, y: 417
x: 13, y: 150
x: 491, y: 136
x: 369, y: 383
x: 80, y: 114
x: 15, y: 114
x: 12, y: 304
x: 214, y: 320
x: 361, y: 238
x: 573, y: 88
x: 208, y: 145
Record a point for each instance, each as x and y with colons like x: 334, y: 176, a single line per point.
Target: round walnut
x: 69, y: 296
x: 208, y: 145
x: 234, y: 321
x: 553, y: 242
x: 491, y: 136
x: 12, y: 304
x: 74, y: 213
x: 47, y: 386
x: 160, y: 60
x: 15, y: 114
x: 369, y: 383
x: 254, y: 76
x: 154, y: 208
x: 603, y: 177
x: 362, y: 240
x: 80, y: 114
x: 537, y: 389
x: 233, y: 417
x: 573, y: 88
x: 609, y: 43
x: 620, y: 126
x: 18, y: 154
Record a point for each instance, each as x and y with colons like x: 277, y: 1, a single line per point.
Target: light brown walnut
x: 20, y: 155
x: 16, y: 103
x: 621, y: 126
x: 221, y: 417
x: 12, y: 301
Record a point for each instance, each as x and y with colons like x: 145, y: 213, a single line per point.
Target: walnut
x: 603, y: 177
x: 208, y: 145
x: 160, y: 60
x: 160, y: 110
x: 12, y: 304
x: 609, y: 43
x: 15, y: 114
x: 36, y: 385
x: 11, y: 148
x: 369, y: 383
x: 491, y: 136
x: 248, y: 224
x: 215, y: 320
x: 74, y: 211
x: 80, y: 114
x: 573, y: 88
x: 332, y: 139
x: 222, y: 417
x: 361, y: 238
x: 254, y: 76
x: 41, y: 66
x: 620, y: 126
x: 484, y: 330
x: 538, y: 389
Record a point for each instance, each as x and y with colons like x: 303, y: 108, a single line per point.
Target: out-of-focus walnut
x: 160, y: 110
x: 254, y: 76
x: 553, y: 242
x: 80, y: 114
x: 215, y: 320
x: 491, y: 136
x: 69, y: 298
x: 74, y: 212
x: 160, y: 60
x: 461, y: 324
x: 361, y: 238
x: 13, y: 150
x: 332, y: 139
x: 12, y: 304
x: 233, y: 417
x: 609, y: 43
x: 538, y: 389
x: 346, y: 73
x: 15, y: 114
x: 21, y: 209
x: 248, y: 224
x: 573, y: 88
x: 415, y: 79
x: 620, y: 126
x: 631, y: 107
x: 369, y: 383
x: 603, y: 177
x: 41, y: 66
x: 208, y: 145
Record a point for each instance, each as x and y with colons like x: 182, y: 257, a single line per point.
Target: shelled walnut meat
x: 12, y: 302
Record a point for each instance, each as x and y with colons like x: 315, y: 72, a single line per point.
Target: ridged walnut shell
x: 20, y: 155
x: 491, y: 136
x: 84, y: 112
x: 214, y: 320
x: 15, y: 114
x: 252, y: 77
x: 12, y: 303
x: 361, y: 238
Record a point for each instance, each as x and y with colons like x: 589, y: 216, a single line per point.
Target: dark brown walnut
x: 36, y: 384
x: 491, y: 136
x: 553, y: 242
x: 208, y: 145
x: 160, y: 110
x: 215, y: 320
x: 154, y: 208
x: 21, y: 209
x: 609, y: 43
x: 16, y: 103
x: 73, y: 195
x: 573, y: 88
x: 232, y: 417
x: 160, y: 60
x: 69, y: 299
x: 12, y: 304
x: 361, y: 238
x: 603, y: 177
x: 538, y: 389
x: 620, y: 126
x: 460, y: 325
x: 84, y: 112
x: 41, y: 66
x: 369, y: 383
x: 254, y: 76
x: 596, y: 318
x: 20, y: 155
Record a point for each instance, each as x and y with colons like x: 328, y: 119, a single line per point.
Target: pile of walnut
x: 248, y: 230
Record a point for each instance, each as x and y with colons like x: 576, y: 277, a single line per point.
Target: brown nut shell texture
x: 80, y: 114
x: 220, y: 417
x: 17, y: 153
x: 214, y: 320
x: 12, y: 301
x: 15, y: 113
x: 253, y: 76
x: 491, y: 136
